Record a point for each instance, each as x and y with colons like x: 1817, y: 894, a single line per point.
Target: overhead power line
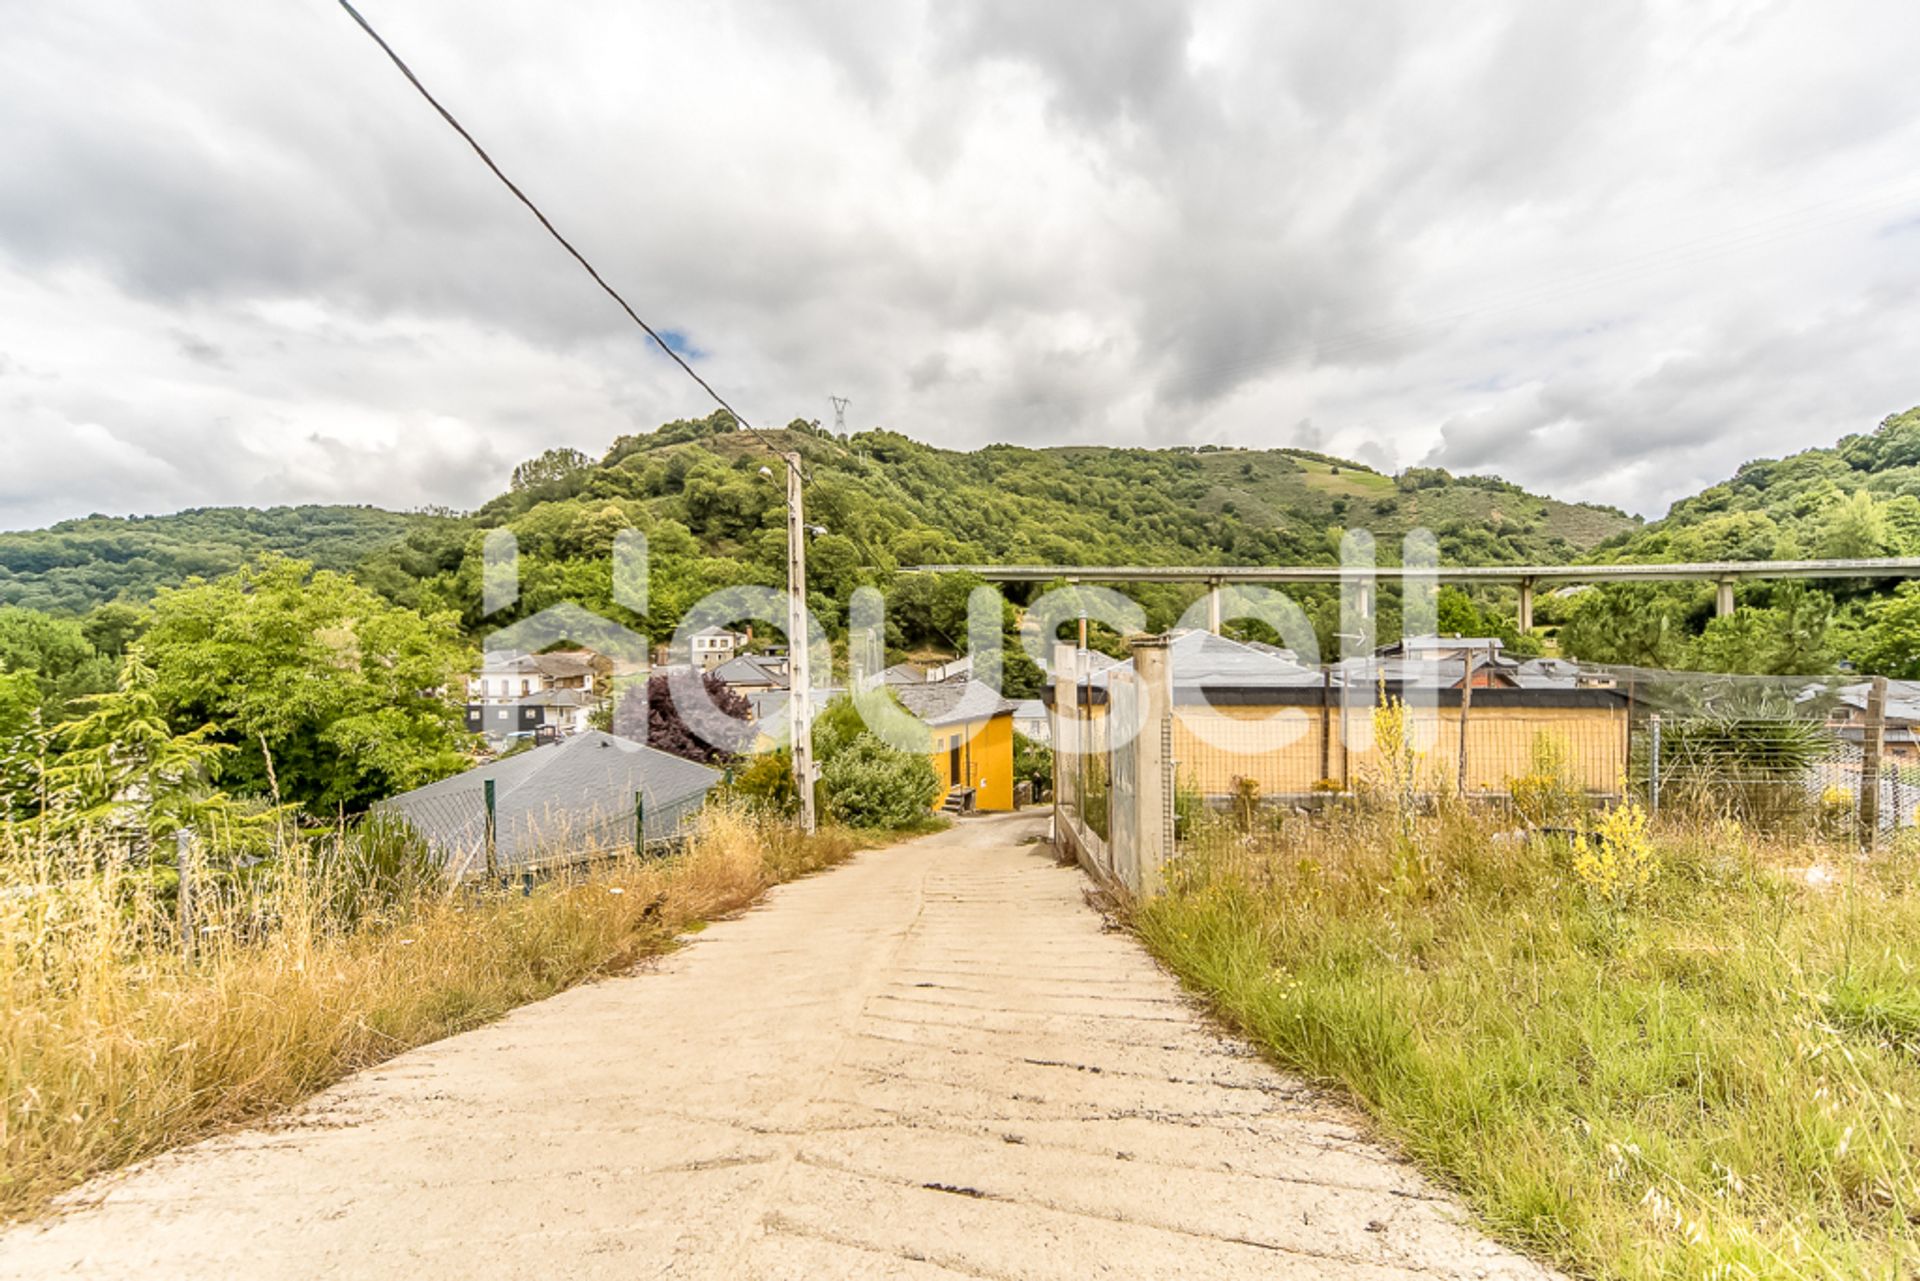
x: 553, y: 231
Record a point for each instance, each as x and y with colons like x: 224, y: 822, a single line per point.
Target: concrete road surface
x: 936, y: 1061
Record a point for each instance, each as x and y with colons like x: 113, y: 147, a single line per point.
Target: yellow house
x: 972, y: 748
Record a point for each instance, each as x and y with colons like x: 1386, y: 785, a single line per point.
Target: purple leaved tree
x: 663, y: 728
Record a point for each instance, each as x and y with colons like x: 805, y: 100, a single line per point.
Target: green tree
x: 1627, y: 623
x: 553, y: 467
x: 1456, y: 614
x: 1856, y: 529
x: 1887, y: 640
x: 331, y: 696
x: 122, y: 771
x: 56, y: 652
x: 22, y: 745
x: 111, y: 627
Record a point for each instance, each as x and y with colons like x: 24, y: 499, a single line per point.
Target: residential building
x: 1900, y: 737
x: 972, y: 748
x: 1030, y: 720
x: 753, y: 673
x: 513, y: 695
x: 712, y: 646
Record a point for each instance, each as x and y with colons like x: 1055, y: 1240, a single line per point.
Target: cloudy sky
x: 1607, y: 249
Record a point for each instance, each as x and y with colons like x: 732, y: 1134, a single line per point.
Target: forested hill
x: 1861, y: 497
x: 886, y: 501
x: 77, y: 564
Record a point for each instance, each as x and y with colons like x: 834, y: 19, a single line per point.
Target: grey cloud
x: 233, y: 239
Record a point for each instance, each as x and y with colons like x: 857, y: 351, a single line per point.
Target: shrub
x: 765, y: 784
x: 1617, y: 861
x: 869, y: 784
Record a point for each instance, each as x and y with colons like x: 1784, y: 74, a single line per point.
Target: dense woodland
x: 294, y: 655
x: 1860, y: 498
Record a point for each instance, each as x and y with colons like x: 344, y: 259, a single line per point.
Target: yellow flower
x: 1617, y: 860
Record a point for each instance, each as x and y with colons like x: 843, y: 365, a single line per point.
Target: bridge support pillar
x: 1526, y: 605
x: 1213, y: 606
x: 1723, y: 598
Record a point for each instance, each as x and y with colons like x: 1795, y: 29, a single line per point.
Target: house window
x: 526, y: 686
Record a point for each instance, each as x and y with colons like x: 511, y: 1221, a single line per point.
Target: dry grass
x: 1716, y: 1074
x: 114, y: 1047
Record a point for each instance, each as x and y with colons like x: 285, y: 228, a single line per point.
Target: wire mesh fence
x: 475, y: 835
x: 1836, y: 755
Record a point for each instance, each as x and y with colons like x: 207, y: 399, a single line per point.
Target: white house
x: 713, y: 646
x: 515, y: 694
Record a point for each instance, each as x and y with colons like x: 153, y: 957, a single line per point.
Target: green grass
x: 1716, y: 1080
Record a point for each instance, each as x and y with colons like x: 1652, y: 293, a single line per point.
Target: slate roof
x: 557, y: 665
x: 949, y: 702
x: 556, y: 804
x: 773, y: 702
x: 1903, y: 698
x: 752, y: 669
x: 1200, y: 659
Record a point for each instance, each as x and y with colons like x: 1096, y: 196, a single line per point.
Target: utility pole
x: 1872, y: 745
x: 799, y: 685
x: 840, y: 404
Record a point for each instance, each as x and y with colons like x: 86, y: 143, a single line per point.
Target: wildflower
x: 1618, y: 859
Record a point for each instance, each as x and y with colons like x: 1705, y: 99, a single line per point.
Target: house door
x: 953, y: 764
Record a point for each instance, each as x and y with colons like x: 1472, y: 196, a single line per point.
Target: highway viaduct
x: 1529, y: 579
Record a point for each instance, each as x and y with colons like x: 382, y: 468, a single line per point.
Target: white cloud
x: 1609, y: 250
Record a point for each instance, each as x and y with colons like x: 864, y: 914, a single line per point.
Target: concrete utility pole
x: 799, y: 683
x: 1873, y: 745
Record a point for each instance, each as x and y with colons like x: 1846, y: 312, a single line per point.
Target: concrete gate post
x: 1153, y: 749
x: 1066, y: 741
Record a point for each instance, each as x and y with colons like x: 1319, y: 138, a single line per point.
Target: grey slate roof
x: 752, y: 669
x: 946, y: 702
x: 1903, y: 699
x: 557, y: 804
x: 1200, y: 659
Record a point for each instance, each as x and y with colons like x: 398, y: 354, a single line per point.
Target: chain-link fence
x: 476, y: 835
x: 1833, y: 755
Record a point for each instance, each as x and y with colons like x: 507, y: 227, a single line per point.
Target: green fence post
x: 639, y: 825
x: 493, y: 866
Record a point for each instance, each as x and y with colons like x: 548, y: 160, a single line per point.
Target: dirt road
x: 933, y: 1062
